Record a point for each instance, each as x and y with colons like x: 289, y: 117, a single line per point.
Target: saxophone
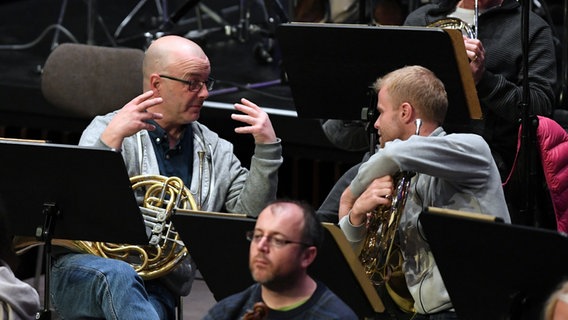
x: 162, y: 196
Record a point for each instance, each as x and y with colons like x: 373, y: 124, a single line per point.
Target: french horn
x: 455, y: 23
x: 380, y: 254
x: 161, y: 197
x: 467, y: 29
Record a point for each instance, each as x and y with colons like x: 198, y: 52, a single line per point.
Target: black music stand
x: 331, y: 66
x: 54, y: 191
x: 495, y: 270
x: 217, y: 241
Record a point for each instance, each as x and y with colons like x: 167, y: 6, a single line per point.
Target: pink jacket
x: 553, y: 146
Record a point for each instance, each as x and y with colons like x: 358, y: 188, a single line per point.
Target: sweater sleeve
x: 463, y: 158
x: 251, y: 190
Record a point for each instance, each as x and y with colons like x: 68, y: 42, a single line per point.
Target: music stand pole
x: 45, y: 233
x: 370, y: 115
x: 529, y: 122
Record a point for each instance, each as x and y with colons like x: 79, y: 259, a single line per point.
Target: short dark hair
x: 313, y: 229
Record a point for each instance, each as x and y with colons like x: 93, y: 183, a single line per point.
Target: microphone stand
x: 370, y: 114
x: 529, y: 123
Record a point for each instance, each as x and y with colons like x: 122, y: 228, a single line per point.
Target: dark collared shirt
x: 178, y: 161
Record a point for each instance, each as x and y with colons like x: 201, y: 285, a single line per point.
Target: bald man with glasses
x: 158, y: 133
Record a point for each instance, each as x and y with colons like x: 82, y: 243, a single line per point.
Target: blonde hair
x: 560, y: 294
x: 420, y: 87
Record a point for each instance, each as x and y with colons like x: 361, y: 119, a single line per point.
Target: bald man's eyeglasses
x: 193, y: 85
x: 273, y: 241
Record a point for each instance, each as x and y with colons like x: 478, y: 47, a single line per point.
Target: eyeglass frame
x: 280, y: 243
x: 209, y: 83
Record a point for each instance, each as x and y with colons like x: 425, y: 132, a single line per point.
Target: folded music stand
x: 217, y: 240
x: 330, y: 67
x: 494, y: 270
x: 54, y: 191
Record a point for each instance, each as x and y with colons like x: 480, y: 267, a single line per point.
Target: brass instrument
x: 380, y: 255
x: 162, y: 197
x: 455, y: 23
x: 259, y: 312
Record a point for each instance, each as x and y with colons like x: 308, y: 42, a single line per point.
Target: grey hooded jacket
x: 225, y: 184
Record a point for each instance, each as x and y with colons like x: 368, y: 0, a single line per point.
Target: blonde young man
x: 453, y: 171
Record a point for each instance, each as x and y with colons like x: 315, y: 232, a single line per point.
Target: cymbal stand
x: 92, y: 18
x: 201, y: 31
x: 161, y: 7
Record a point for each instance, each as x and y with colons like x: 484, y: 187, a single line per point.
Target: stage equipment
x: 334, y: 90
x: 92, y: 18
x: 494, y: 270
x: 109, y: 78
x: 161, y: 8
x: 241, y: 30
x: 530, y: 212
x: 171, y: 22
x: 563, y: 95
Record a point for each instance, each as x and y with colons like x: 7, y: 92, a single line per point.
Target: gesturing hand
x: 259, y: 124
x: 130, y: 119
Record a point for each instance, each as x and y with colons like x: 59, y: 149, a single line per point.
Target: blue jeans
x: 85, y: 286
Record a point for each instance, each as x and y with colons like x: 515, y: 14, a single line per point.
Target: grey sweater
x: 454, y: 171
x: 226, y: 185
x: 18, y: 300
